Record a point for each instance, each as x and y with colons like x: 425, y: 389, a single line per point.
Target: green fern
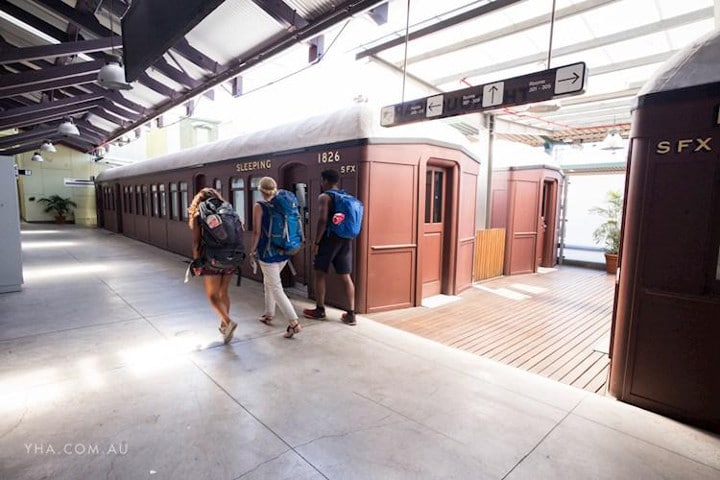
x: 609, y: 231
x: 55, y: 203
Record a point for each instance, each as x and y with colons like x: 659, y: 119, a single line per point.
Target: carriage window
x: 128, y: 200
x: 174, y: 202
x: 434, y: 196
x: 184, y: 200
x: 138, y: 201
x: 163, y: 201
x: 144, y: 200
x: 237, y: 188
x: 217, y: 185
x: 154, y: 200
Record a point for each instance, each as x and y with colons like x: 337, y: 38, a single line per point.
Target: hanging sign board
x: 78, y: 182
x: 531, y: 88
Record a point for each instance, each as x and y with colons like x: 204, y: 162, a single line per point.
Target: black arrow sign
x: 531, y: 88
x: 574, y: 78
x: 493, y: 89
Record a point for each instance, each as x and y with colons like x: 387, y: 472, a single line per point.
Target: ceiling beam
x: 48, y: 85
x: 175, y: 75
x: 34, y: 134
x: 157, y: 86
x: 31, y: 77
x: 27, y: 54
x: 262, y: 53
x: 76, y: 143
x: 44, y: 116
x: 89, y: 134
x: 188, y: 52
x: 639, y: 31
x: 437, y: 26
x: 47, y: 107
x: 281, y: 12
x: 86, y: 21
x: 111, y: 107
x: 117, y: 97
x: 34, y: 21
x: 513, y: 29
x: 100, y: 112
x: 94, y: 129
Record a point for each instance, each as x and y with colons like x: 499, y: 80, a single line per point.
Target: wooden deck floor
x: 547, y: 323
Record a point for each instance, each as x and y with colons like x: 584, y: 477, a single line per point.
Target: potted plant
x: 61, y: 206
x: 608, y: 233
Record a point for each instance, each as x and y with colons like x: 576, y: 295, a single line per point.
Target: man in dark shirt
x: 330, y: 249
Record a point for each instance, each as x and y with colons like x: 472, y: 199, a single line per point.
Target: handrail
x: 393, y: 247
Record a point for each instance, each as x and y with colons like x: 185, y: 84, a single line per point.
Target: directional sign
x: 434, y: 106
x: 493, y: 94
x: 531, y: 88
x: 567, y: 79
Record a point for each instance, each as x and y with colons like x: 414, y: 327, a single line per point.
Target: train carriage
x: 418, y: 184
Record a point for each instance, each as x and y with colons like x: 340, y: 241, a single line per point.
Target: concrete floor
x: 112, y: 368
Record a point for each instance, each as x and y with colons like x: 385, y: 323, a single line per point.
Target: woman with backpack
x: 216, y: 280
x: 270, y: 259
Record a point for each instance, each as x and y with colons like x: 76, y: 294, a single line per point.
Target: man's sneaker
x: 314, y: 313
x: 349, y: 318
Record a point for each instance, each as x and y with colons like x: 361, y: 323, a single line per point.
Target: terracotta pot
x: 59, y: 219
x: 611, y: 262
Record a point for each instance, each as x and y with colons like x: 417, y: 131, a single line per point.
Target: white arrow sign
x: 570, y: 79
x: 493, y: 94
x: 434, y: 106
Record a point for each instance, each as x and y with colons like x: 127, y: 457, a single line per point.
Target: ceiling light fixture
x: 613, y: 141
x: 112, y: 75
x: 68, y: 127
x: 47, y: 146
x: 37, y: 157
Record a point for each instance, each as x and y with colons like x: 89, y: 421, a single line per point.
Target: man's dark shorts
x: 336, y: 251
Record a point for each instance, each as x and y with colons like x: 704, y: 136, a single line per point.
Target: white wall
x: 10, y: 250
x: 48, y: 178
x: 585, y: 192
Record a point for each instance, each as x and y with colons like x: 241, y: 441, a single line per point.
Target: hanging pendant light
x: 68, y: 127
x: 613, y: 141
x: 47, y: 146
x: 112, y: 75
x: 37, y: 157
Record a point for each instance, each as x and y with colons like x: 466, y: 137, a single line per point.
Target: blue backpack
x: 347, y: 214
x: 282, y: 228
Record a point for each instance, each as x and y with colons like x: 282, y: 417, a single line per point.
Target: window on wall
x: 217, y: 185
x: 434, y: 184
x: 155, y: 208
x: 174, y: 202
x: 184, y: 202
x: 163, y: 200
x: 237, y: 187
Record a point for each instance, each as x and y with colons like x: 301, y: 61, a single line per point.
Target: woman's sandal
x: 265, y: 319
x: 292, y: 329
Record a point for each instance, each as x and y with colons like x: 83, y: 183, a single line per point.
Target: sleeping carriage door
x: 433, y: 242
x: 294, y: 178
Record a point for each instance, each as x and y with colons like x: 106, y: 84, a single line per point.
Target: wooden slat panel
x: 489, y: 253
x: 546, y: 323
